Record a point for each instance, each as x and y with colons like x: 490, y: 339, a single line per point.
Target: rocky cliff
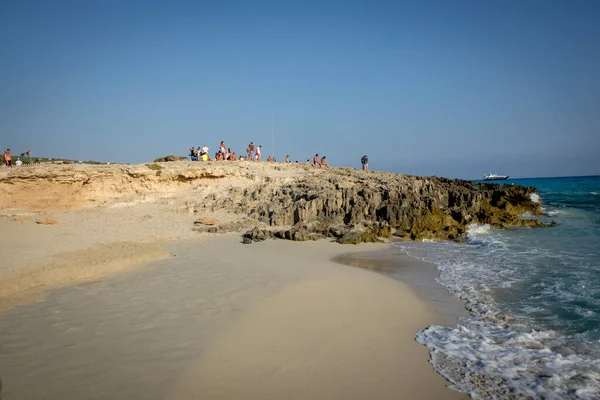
x: 287, y: 201
x: 384, y: 204
x: 355, y: 206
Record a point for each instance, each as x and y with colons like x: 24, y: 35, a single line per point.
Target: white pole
x: 273, y: 137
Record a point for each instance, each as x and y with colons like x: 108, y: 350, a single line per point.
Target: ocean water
x: 533, y: 301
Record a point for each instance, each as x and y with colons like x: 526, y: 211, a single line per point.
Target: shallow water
x: 533, y: 295
x: 127, y: 337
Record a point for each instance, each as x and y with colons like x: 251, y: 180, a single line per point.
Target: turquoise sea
x: 533, y: 300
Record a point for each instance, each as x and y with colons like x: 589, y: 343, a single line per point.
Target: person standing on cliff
x: 251, y: 154
x: 193, y: 154
x: 365, y: 162
x: 316, y: 161
x: 7, y: 158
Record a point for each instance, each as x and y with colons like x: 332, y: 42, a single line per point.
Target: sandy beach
x: 273, y: 320
x: 124, y: 300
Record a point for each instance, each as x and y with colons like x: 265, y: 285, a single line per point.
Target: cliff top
x: 51, y: 187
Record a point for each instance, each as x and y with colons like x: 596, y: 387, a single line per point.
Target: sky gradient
x: 447, y: 88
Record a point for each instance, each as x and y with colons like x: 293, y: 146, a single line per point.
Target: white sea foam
x: 495, y: 355
x: 553, y: 211
x: 534, y: 197
x: 584, y: 313
x: 490, y: 360
x: 481, y: 235
x: 476, y: 229
x: 528, y: 215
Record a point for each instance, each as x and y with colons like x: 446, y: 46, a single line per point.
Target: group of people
x: 253, y: 153
x: 224, y: 153
x: 199, y: 154
x: 7, y: 159
x: 322, y: 163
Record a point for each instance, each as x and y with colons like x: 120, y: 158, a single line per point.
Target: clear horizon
x: 430, y: 88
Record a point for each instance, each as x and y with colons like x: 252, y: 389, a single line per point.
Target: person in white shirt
x: 205, y: 149
x: 258, y: 153
x: 18, y: 163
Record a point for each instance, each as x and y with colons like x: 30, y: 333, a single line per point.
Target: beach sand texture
x: 206, y: 317
x: 269, y: 321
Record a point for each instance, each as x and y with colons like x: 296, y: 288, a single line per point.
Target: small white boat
x: 494, y: 177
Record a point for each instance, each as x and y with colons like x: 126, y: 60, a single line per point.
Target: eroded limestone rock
x: 352, y: 207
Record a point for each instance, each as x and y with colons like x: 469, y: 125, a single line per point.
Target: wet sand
x: 419, y: 275
x: 221, y: 320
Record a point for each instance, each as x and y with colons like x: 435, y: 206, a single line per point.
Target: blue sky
x: 448, y: 88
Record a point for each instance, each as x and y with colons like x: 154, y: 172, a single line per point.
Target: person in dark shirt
x: 365, y: 162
